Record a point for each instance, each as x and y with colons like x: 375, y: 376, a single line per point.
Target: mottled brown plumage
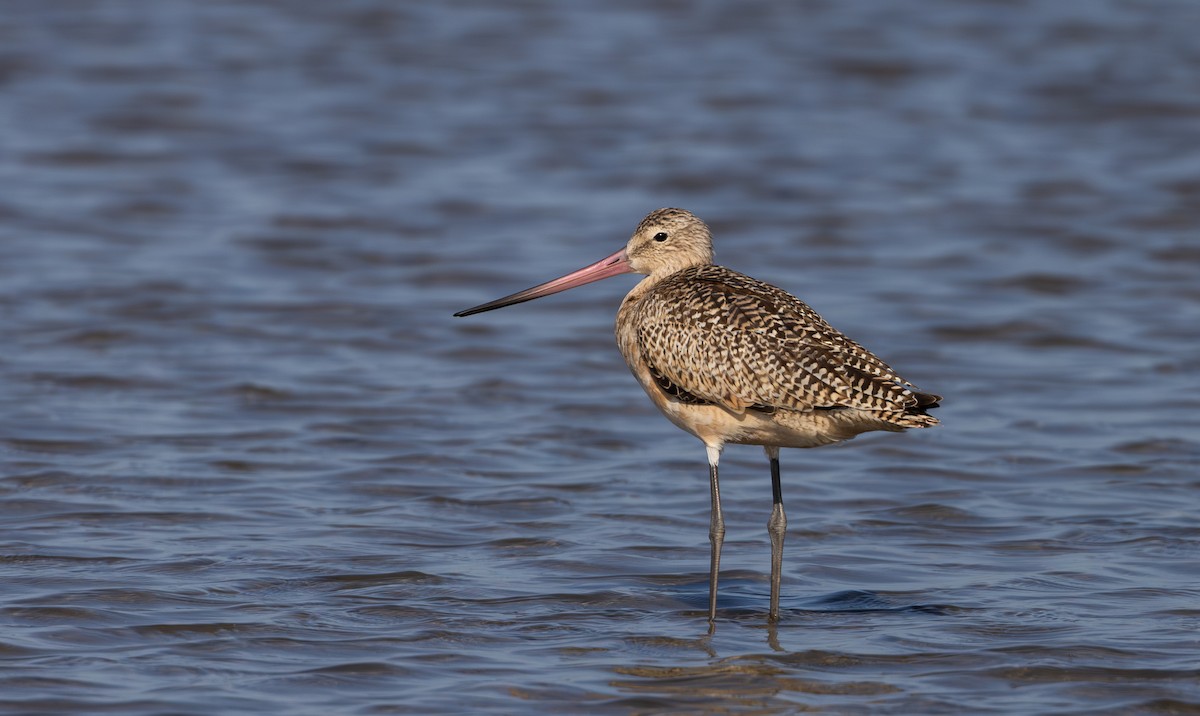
x: 778, y: 353
x: 731, y: 359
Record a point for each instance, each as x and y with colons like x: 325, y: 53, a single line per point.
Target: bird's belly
x: 716, y: 426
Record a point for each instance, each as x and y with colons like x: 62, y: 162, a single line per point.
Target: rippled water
x: 251, y: 464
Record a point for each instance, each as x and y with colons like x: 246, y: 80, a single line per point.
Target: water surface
x: 249, y: 463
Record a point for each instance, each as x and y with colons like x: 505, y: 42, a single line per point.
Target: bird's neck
x: 657, y: 277
x: 645, y: 286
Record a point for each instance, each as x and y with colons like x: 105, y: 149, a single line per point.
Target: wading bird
x: 731, y: 359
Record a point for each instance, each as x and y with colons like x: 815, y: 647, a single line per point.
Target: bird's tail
x: 916, y: 415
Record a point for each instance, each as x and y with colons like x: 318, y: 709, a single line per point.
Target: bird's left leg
x: 716, y: 530
x: 776, y: 526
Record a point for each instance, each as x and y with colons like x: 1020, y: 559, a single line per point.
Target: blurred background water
x: 251, y: 464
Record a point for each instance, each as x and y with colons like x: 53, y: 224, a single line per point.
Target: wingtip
x: 928, y: 400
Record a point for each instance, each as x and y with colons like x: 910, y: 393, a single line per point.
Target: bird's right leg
x: 776, y: 527
x: 716, y: 530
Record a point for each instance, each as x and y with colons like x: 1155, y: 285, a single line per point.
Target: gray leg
x: 777, y: 527
x: 716, y: 531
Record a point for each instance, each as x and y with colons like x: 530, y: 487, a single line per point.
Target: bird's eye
x: 660, y: 236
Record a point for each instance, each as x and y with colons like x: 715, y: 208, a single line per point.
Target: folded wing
x: 714, y: 335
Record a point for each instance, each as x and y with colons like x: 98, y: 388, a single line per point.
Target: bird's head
x: 669, y: 240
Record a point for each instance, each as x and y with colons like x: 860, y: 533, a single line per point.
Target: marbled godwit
x: 734, y: 360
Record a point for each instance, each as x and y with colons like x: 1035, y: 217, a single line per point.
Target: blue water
x: 249, y: 463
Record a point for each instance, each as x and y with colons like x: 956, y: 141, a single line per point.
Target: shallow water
x: 250, y: 463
